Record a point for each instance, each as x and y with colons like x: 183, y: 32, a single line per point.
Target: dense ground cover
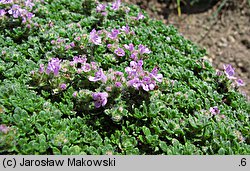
x: 81, y: 77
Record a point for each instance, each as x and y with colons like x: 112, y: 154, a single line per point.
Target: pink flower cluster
x: 94, y: 37
x: 119, y: 52
x: 113, y: 34
x: 135, y: 76
x: 4, y: 129
x: 60, y: 42
x: 102, y: 8
x: 116, y: 5
x: 115, y: 78
x: 214, y: 110
x: 140, y: 78
x: 53, y: 67
x: 137, y: 53
x: 99, y: 76
x: 81, y: 65
x: 126, y: 29
x: 18, y: 10
x: 229, y: 71
x: 6, y: 1
x: 100, y: 99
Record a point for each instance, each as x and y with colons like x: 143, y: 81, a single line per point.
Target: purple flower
x: 118, y: 84
x: 129, y: 47
x: 132, y: 69
x: 109, y: 88
x: 100, y: 99
x: 24, y: 19
x: 93, y: 65
x: 223, y: 116
x: 15, y: 11
x: 116, y: 5
x: 32, y: 72
x: 135, y: 82
x: 67, y: 47
x: 140, y: 63
x: 78, y: 38
x: 116, y: 77
x: 100, y: 7
x: 51, y: 24
x: 143, y: 49
x: 30, y: 15
x: 133, y: 64
x: 218, y: 73
x: 53, y: 66
x: 86, y: 67
x: 140, y: 16
x: 79, y: 71
x: 53, y: 42
x: 28, y: 26
x: 134, y: 56
x: 94, y: 38
x: 100, y: 32
x: 118, y: 73
x: 79, y: 59
x: 240, y: 82
x: 114, y: 33
x: 147, y: 83
x: 2, y: 12
x: 63, y: 86
x: 214, y: 110
x: 72, y: 44
x: 41, y: 69
x: 6, y: 1
x: 99, y: 75
x: 125, y: 29
x: 104, y: 13
x: 29, y: 4
x: 75, y: 94
x: 59, y: 40
x: 229, y: 71
x: 109, y: 46
x: 155, y: 75
x: 4, y: 128
x: 140, y: 78
x: 119, y: 52
x: 148, y: 87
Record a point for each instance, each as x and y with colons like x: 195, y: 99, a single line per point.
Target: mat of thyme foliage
x: 83, y: 77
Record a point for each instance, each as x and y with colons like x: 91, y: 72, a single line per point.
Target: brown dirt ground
x: 225, y: 36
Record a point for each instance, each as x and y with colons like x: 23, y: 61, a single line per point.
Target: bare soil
x: 223, y: 29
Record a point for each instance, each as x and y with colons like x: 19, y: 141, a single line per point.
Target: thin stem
x: 179, y: 7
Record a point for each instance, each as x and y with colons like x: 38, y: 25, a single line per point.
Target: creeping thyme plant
x: 88, y: 77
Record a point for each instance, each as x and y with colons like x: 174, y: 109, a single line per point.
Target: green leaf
x: 56, y: 151
x: 221, y: 151
x: 163, y: 146
x: 146, y: 131
x: 75, y: 150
